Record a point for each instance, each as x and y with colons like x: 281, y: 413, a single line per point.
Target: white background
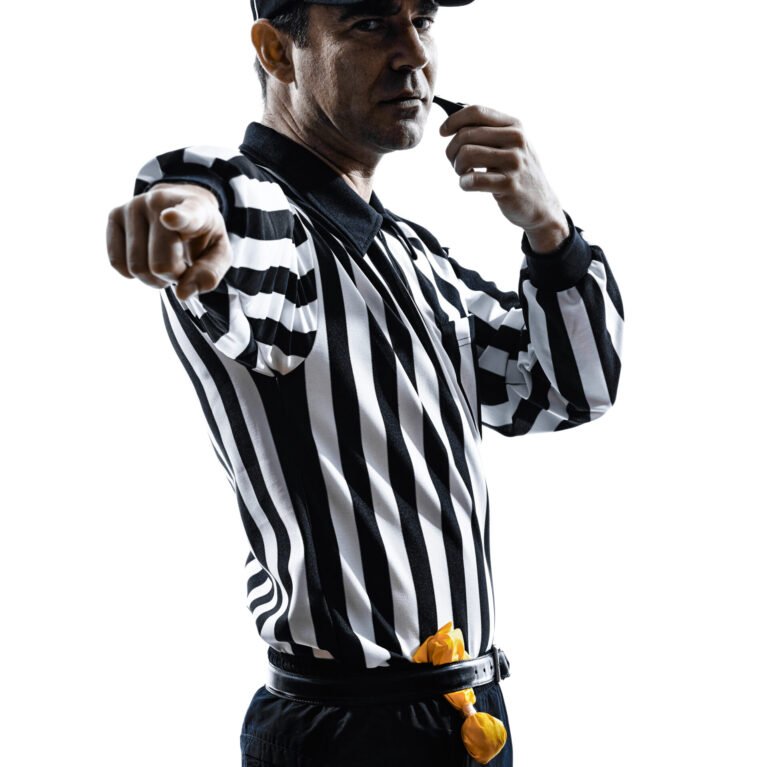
x: 629, y: 554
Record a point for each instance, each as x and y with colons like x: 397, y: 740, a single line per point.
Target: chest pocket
x: 464, y: 329
x: 458, y: 340
x: 457, y: 332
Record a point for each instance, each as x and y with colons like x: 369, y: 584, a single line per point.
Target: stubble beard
x: 395, y: 135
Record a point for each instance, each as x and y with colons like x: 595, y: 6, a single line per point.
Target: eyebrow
x: 383, y: 8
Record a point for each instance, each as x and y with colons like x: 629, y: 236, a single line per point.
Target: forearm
x: 549, y: 354
x: 574, y: 314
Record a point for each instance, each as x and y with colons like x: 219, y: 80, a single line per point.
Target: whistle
x: 449, y: 106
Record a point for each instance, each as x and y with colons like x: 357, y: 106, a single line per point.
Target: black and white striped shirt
x: 346, y: 366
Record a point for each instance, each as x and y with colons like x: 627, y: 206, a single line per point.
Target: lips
x: 405, y: 96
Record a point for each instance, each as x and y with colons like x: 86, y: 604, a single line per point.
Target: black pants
x: 426, y: 733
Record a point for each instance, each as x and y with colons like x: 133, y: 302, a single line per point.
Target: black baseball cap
x: 266, y: 9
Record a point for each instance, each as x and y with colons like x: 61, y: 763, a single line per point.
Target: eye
x: 426, y: 19
x: 369, y: 25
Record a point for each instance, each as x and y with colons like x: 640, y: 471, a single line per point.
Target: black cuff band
x: 562, y: 268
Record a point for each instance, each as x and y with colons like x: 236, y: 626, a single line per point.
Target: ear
x: 274, y: 50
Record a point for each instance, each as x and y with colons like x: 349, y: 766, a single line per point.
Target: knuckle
x: 466, y: 157
x: 114, y: 217
x: 467, y: 132
x: 464, y: 152
x: 135, y: 213
x: 156, y: 200
x: 514, y: 158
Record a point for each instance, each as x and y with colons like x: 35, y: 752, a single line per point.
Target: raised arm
x: 549, y: 354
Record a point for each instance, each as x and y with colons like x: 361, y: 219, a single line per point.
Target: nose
x: 410, y: 51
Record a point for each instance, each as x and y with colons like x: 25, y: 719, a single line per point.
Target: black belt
x: 389, y: 684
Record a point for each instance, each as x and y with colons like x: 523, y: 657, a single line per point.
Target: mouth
x: 405, y: 101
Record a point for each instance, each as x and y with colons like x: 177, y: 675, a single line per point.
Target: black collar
x: 318, y: 182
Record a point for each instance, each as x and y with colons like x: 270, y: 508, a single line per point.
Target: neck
x: 358, y: 174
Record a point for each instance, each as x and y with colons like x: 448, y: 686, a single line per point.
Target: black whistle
x: 449, y: 106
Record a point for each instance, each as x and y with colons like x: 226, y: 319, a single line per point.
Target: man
x: 346, y: 365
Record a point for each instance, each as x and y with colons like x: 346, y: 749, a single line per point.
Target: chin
x: 404, y: 135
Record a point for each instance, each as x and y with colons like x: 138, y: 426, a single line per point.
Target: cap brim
x: 256, y: 15
x: 351, y: 2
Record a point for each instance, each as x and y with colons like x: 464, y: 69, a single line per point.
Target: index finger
x: 190, y: 217
x: 476, y: 115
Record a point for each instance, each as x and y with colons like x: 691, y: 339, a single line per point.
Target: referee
x: 346, y: 364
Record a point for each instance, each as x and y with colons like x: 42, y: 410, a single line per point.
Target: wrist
x: 547, y: 237
x: 562, y: 268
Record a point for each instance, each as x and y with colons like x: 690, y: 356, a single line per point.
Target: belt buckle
x: 497, y: 664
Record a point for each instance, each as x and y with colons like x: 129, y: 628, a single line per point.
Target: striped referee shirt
x: 346, y: 366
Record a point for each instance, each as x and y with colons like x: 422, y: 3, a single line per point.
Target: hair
x: 295, y: 24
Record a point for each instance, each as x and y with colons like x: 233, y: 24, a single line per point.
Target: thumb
x: 189, y: 217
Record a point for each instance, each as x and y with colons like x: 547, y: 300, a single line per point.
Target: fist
x: 174, y: 233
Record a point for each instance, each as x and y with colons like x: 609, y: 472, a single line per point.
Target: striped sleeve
x: 548, y: 355
x: 264, y: 312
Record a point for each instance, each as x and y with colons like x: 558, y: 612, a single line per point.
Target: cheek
x: 320, y: 70
x: 431, y: 67
x: 351, y: 80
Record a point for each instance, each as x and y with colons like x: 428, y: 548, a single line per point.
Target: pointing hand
x: 173, y: 233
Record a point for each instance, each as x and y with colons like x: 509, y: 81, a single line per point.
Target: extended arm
x: 246, y: 277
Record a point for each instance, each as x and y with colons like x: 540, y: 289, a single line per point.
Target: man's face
x: 360, y: 58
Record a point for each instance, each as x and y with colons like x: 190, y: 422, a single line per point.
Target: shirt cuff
x: 562, y: 268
